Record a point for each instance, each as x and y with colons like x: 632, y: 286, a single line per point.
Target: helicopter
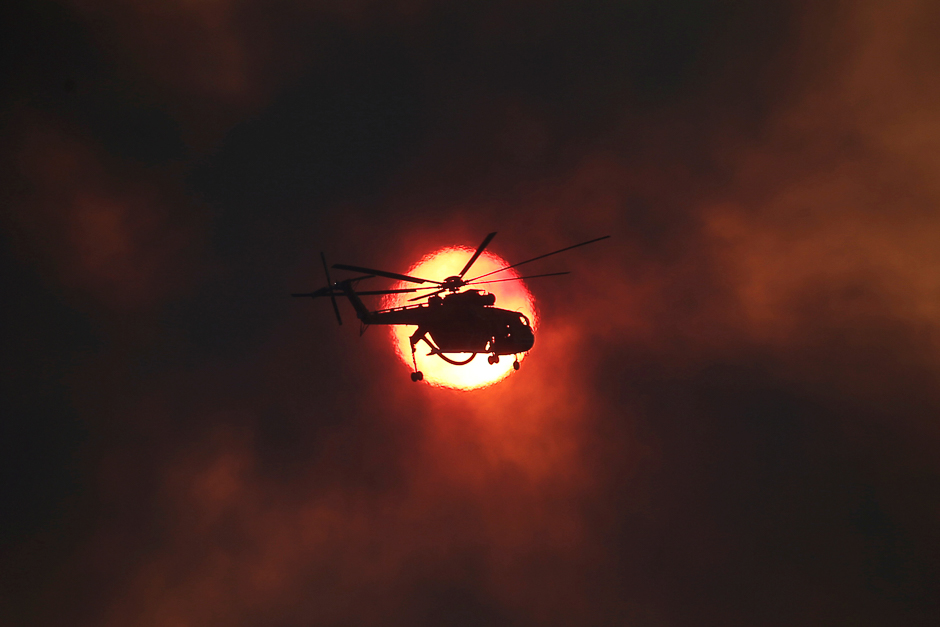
x: 461, y: 322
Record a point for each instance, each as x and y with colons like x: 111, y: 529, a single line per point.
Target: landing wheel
x: 417, y: 376
x: 493, y: 359
x: 515, y: 365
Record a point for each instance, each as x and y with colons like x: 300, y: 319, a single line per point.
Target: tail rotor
x: 329, y: 282
x: 346, y: 288
x: 329, y: 290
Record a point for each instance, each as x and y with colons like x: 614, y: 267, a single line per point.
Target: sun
x: 511, y: 295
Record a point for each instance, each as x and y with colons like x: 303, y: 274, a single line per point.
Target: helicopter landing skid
x: 454, y: 361
x: 435, y: 350
x: 419, y: 334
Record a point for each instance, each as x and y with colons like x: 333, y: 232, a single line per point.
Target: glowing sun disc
x: 511, y: 295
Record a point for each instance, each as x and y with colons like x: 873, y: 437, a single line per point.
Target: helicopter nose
x: 527, y: 339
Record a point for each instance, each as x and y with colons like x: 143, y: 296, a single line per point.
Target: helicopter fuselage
x: 464, y: 322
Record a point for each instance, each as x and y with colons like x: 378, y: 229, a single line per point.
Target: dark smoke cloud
x: 729, y: 417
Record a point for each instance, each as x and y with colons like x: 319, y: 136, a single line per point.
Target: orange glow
x: 511, y: 295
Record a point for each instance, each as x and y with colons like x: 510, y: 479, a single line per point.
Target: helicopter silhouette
x: 459, y: 323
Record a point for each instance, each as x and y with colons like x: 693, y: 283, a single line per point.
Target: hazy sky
x: 731, y: 415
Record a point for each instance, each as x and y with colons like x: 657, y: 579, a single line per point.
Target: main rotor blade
x: 480, y: 249
x: 516, y: 265
x: 390, y: 275
x: 329, y: 282
x: 426, y: 295
x: 515, y: 278
x: 404, y: 291
x: 518, y: 278
x: 332, y: 290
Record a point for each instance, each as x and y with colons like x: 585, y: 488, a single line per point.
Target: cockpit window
x: 523, y: 319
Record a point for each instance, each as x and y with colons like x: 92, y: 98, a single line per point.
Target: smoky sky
x: 730, y: 415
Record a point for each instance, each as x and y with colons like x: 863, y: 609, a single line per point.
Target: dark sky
x: 732, y: 412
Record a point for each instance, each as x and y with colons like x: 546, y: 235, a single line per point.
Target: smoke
x: 729, y: 414
x: 119, y: 243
